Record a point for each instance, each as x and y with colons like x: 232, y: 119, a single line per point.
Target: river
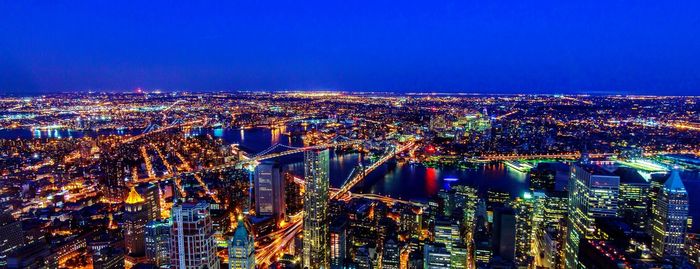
x: 395, y: 179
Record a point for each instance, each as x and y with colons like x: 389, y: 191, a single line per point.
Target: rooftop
x: 134, y: 197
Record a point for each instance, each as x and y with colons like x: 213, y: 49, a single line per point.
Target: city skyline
x: 342, y: 179
x: 360, y: 134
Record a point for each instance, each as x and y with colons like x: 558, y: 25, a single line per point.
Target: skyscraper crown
x: 674, y: 182
x: 134, y: 197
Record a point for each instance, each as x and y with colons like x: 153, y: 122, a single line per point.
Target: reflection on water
x: 59, y: 133
x: 396, y: 179
x: 414, y: 181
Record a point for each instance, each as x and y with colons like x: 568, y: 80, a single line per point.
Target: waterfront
x: 414, y: 181
x: 395, y: 179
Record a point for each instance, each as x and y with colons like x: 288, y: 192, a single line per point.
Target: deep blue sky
x: 487, y: 46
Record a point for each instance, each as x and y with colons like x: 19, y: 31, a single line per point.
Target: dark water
x: 402, y: 180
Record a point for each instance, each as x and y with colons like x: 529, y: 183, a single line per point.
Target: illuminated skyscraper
x: 447, y: 233
x: 670, y: 218
x: 634, y: 197
x: 458, y: 256
x: 593, y: 193
x: 316, y: 246
x: 269, y: 191
x: 550, y: 225
x: 192, y: 244
x: 241, y: 249
x: 293, y: 200
x: 114, y: 166
x: 135, y: 218
x: 158, y: 242
x: 524, y: 233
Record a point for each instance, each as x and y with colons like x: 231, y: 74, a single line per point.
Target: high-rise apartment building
x: 316, y: 247
x: 339, y: 235
x: 192, y: 244
x: 151, y: 194
x: 391, y: 254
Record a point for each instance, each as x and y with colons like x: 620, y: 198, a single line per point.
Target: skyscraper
x: 503, y: 238
x: 316, y: 246
x: 158, y: 242
x: 339, y: 233
x: 542, y: 177
x: 670, y: 218
x: 269, y: 191
x: 447, y: 233
x: 293, y: 200
x: 192, y: 242
x: 593, y: 193
x: 241, y: 249
x: 458, y: 256
x: 135, y: 218
x: 151, y: 195
x: 634, y: 197
x: 11, y: 236
x: 524, y: 232
x: 114, y: 166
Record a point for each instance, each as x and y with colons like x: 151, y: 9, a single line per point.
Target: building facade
x: 135, y: 218
x: 192, y: 242
x: 593, y: 193
x: 269, y: 191
x: 670, y: 218
x: 316, y: 247
x: 158, y: 242
x: 241, y: 249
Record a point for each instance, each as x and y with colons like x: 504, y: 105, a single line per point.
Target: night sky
x: 487, y: 46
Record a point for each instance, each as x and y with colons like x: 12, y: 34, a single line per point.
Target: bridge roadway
x: 505, y: 157
x: 360, y: 176
x: 255, y: 159
x: 572, y: 155
x: 281, y: 238
x: 195, y: 173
